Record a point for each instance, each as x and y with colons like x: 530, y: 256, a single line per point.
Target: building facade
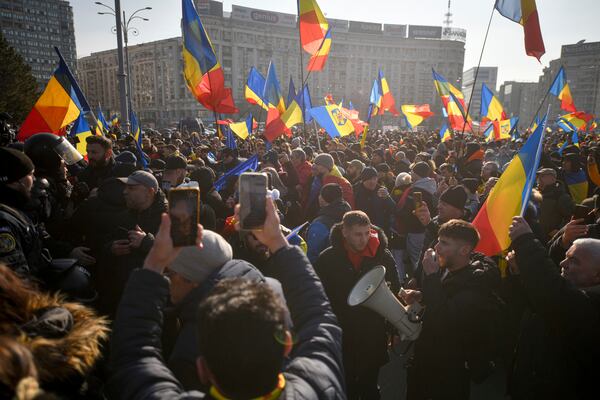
x: 34, y: 27
x: 487, y: 75
x: 247, y: 37
x: 519, y: 99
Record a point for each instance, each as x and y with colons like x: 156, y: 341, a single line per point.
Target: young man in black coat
x: 247, y: 349
x: 357, y: 247
x: 558, y: 350
x: 455, y: 346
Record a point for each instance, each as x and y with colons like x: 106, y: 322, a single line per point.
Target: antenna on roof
x: 448, y: 15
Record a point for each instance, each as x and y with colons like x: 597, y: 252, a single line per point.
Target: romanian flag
x: 101, y: 122
x: 291, y: 91
x: 387, y: 100
x: 524, y: 12
x: 255, y: 85
x: 136, y: 132
x: 279, y: 120
x: 453, y: 101
x: 305, y: 103
x: 578, y: 185
x: 243, y: 128
x: 313, y: 26
x: 577, y: 121
x: 416, y: 114
x: 491, y: 108
x: 509, y: 196
x: 81, y: 130
x: 445, y: 134
x: 61, y: 103
x: 332, y: 119
x: 317, y: 61
x: 114, y: 120
x: 203, y: 73
x: 560, y: 88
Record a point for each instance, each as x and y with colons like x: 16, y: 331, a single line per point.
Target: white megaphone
x: 372, y: 291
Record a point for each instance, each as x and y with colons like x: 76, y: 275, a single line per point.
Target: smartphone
x: 418, y: 197
x: 184, y: 210
x: 582, y: 212
x: 253, y: 193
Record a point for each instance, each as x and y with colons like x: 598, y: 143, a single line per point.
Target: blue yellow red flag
x: 81, y: 130
x: 243, y: 128
x: 317, y: 61
x: 201, y: 69
x: 445, y: 134
x: 255, y: 86
x: 560, y: 88
x: 313, y: 25
x: 387, y: 99
x: 524, y: 12
x: 491, y: 108
x: 415, y: 114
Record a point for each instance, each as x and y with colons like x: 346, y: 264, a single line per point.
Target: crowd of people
x: 96, y: 302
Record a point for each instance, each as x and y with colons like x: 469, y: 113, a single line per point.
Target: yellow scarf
x: 214, y: 392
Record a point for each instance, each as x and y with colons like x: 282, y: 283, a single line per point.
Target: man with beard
x: 100, y: 161
x: 456, y: 344
x: 354, y: 170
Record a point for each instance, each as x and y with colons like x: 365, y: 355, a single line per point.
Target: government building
x: 246, y: 37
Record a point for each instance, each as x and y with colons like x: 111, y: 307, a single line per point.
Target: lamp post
x: 122, y: 29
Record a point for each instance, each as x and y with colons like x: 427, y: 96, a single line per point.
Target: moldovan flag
x: 313, y: 26
x: 416, y: 114
x: 61, y: 103
x: 332, y: 119
x: 203, y: 73
x: 491, y: 108
x: 560, y: 88
x: 524, y: 12
x: 255, y: 85
x: 81, y: 130
x: 509, y: 196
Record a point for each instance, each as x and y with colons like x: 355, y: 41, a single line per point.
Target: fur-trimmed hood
x: 60, y: 359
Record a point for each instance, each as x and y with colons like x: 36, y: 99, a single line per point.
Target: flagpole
x: 302, y: 71
x: 541, y: 105
x: 466, y: 118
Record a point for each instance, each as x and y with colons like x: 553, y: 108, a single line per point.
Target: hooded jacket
x: 317, y: 237
x: 365, y: 339
x: 427, y: 186
x: 380, y: 210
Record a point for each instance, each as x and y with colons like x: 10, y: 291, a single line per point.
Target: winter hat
x: 175, y: 162
x: 422, y: 169
x: 325, y: 160
x: 157, y: 165
x: 126, y: 157
x: 403, y: 179
x: 456, y: 196
x: 383, y: 167
x: 195, y: 264
x: 359, y: 165
x: 368, y: 173
x: 331, y: 192
x: 14, y: 165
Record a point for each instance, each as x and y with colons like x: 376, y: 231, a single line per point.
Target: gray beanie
x: 196, y: 264
x: 324, y: 160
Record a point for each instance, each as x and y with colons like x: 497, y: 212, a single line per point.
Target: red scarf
x: 369, y: 251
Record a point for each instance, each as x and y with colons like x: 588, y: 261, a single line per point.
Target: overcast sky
x: 562, y: 22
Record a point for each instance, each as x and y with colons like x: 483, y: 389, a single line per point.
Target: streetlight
x: 122, y: 28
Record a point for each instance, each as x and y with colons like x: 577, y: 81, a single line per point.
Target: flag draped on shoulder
x: 313, y: 26
x: 81, y: 131
x: 524, y: 12
x: 560, y: 88
x: 255, y: 85
x: 201, y: 69
x: 415, y: 114
x: 332, y: 119
x: 491, y: 108
x: 509, y: 196
x: 61, y: 103
x: 453, y: 101
x: 249, y: 164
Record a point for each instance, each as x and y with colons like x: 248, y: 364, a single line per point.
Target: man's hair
x: 299, y: 153
x: 105, y: 142
x: 460, y: 230
x: 592, y: 246
x: 241, y: 332
x: 331, y: 192
x: 353, y: 218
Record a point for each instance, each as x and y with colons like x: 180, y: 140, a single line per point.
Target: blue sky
x: 562, y: 22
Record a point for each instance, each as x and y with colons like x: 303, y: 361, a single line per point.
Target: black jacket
x: 556, y: 208
x: 93, y: 176
x: 365, y: 338
x: 184, y: 352
x: 558, y: 351
x: 380, y: 210
x: 456, y: 342
x: 314, y: 368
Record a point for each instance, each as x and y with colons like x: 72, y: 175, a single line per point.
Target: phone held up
x: 184, y: 211
x: 418, y: 197
x: 253, y: 192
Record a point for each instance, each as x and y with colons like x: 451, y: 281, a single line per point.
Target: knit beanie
x: 422, y: 169
x: 14, y: 165
x: 456, y: 196
x: 331, y: 192
x: 368, y: 173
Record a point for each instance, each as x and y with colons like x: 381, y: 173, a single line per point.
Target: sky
x: 562, y: 22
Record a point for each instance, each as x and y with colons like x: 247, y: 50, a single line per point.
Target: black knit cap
x: 331, y: 192
x: 14, y: 165
x: 456, y: 196
x: 368, y: 173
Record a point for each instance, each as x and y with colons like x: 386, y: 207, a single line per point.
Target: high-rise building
x: 519, y: 99
x: 487, y: 75
x: 34, y: 27
x: 247, y: 37
x: 582, y: 66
